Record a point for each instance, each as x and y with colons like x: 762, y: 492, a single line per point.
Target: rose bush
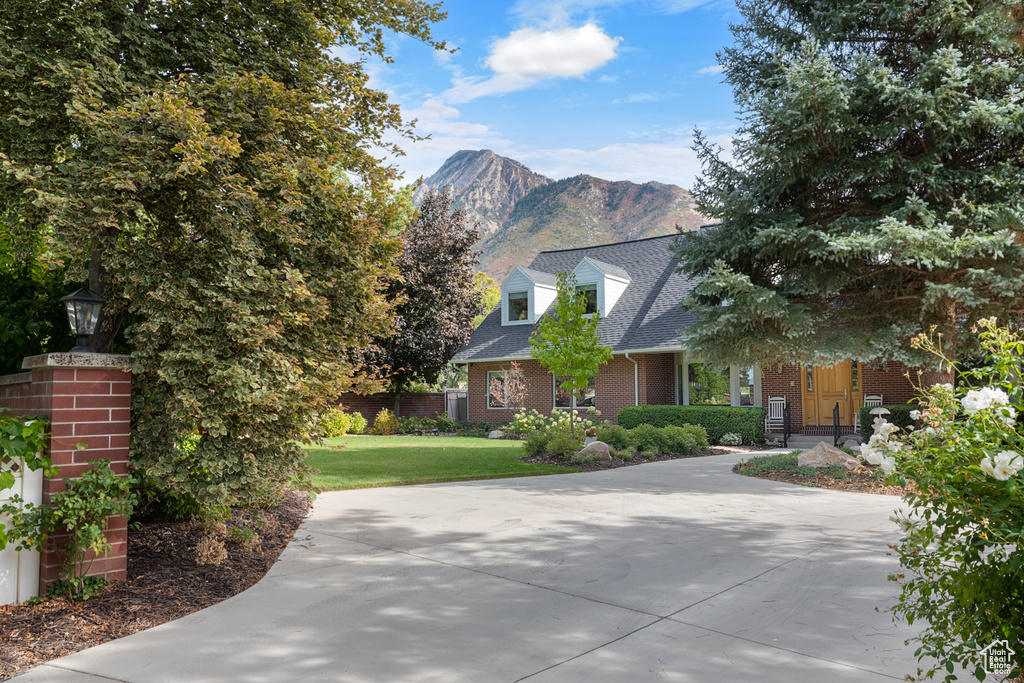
x: 962, y: 550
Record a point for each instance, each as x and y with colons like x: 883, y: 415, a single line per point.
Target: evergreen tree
x: 876, y: 187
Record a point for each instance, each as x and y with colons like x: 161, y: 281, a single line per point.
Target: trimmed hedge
x: 717, y: 420
x: 899, y: 415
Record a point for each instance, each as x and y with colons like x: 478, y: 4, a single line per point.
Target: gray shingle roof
x: 609, y: 269
x: 646, y: 317
x: 540, y: 278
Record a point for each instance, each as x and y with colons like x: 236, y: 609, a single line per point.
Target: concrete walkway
x: 670, y: 571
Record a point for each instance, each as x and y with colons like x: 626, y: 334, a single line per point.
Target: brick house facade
x: 637, y: 293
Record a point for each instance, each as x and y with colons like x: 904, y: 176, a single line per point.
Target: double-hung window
x: 518, y: 306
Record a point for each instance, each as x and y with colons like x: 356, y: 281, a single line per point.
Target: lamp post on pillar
x: 84, y: 309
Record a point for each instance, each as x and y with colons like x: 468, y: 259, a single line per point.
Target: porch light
x: 84, y: 309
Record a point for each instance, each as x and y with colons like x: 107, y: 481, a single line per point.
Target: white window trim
x: 506, y: 320
x: 488, y: 387
x: 554, y: 394
x: 734, y: 384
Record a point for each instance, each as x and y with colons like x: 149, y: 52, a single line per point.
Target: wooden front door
x: 823, y: 389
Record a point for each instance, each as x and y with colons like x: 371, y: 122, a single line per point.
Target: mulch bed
x: 596, y: 465
x: 164, y: 583
x: 860, y: 482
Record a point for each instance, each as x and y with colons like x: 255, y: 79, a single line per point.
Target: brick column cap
x: 78, y: 360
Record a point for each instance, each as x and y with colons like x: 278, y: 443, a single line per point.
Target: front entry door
x: 834, y: 386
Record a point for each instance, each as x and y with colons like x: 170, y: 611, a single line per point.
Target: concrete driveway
x: 671, y: 571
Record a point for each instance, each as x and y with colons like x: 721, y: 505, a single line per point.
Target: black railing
x: 786, y: 429
x: 835, y: 425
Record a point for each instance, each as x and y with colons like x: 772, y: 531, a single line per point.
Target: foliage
x: 27, y: 438
x: 730, y: 439
x: 535, y: 443
x: 527, y: 421
x: 509, y: 388
x: 199, y: 170
x: 82, y: 510
x: 717, y: 420
x: 624, y: 454
x: 581, y: 458
x: 615, y: 436
x: 368, y: 461
x: 708, y: 385
x: 563, y: 445
x: 435, y: 293
x: 899, y: 415
x: 356, y: 423
x: 865, y: 199
x: 90, y: 587
x: 157, y: 504
x: 649, y: 439
x: 490, y: 296
x: 335, y: 422
x: 385, y: 423
x: 962, y: 549
x: 445, y: 423
x: 32, y: 317
x: 786, y: 463
x: 566, y: 341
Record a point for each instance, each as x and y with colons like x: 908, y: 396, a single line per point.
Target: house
x: 636, y: 290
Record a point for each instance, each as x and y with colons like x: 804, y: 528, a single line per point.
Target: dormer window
x: 601, y: 285
x: 518, y: 306
x: 589, y: 294
x: 525, y: 295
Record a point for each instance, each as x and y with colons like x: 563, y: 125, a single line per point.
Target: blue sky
x: 613, y: 88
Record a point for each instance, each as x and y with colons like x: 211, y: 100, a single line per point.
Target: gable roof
x: 548, y: 279
x: 609, y: 269
x: 647, y: 317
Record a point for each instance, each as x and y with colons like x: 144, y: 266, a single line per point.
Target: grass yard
x: 359, y: 462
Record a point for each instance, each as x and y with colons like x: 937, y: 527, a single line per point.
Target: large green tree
x: 435, y: 293
x: 567, y: 343
x: 185, y: 155
x: 876, y: 186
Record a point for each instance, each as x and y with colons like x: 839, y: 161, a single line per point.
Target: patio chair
x: 776, y: 413
x: 869, y: 402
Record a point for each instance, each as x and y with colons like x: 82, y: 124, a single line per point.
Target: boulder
x: 825, y: 455
x: 598, y: 447
x: 853, y: 445
x: 496, y: 434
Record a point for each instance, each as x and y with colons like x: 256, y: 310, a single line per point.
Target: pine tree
x: 876, y: 187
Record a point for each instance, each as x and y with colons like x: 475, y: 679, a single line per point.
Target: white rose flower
x: 915, y: 415
x: 1003, y: 466
x: 981, y: 399
x: 888, y: 464
x: 947, y: 386
x: 871, y: 456
x: 878, y: 440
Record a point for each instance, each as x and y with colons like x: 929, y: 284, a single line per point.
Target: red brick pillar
x: 87, y: 397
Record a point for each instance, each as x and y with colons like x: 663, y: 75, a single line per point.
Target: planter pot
x: 587, y: 440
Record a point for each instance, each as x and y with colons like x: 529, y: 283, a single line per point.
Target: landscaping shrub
x: 535, y: 442
x: 624, y: 454
x: 527, y: 421
x: 899, y: 415
x: 412, y: 424
x: 685, y: 439
x: 356, y: 423
x: 716, y: 420
x: 445, y: 423
x: 580, y: 458
x: 385, y: 424
x: 335, y: 422
x: 731, y: 439
x: 563, y: 445
x: 649, y: 440
x: 615, y: 436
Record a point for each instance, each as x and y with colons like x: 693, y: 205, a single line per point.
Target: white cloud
x: 560, y: 11
x: 434, y: 116
x: 530, y: 55
x: 637, y: 97
x: 716, y: 69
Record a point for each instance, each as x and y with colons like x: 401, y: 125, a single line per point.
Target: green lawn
x: 359, y: 462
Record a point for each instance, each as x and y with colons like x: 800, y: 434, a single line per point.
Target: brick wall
x: 418, y: 405
x: 614, y: 386
x: 87, y: 398
x: 888, y: 380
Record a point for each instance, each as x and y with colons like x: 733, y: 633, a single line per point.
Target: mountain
x: 486, y: 185
x: 522, y: 213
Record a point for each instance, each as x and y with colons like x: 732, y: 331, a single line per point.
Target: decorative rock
x: 496, y: 434
x: 853, y: 445
x: 598, y: 447
x: 825, y: 455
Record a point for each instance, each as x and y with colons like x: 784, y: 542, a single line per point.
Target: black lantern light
x: 84, y: 309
